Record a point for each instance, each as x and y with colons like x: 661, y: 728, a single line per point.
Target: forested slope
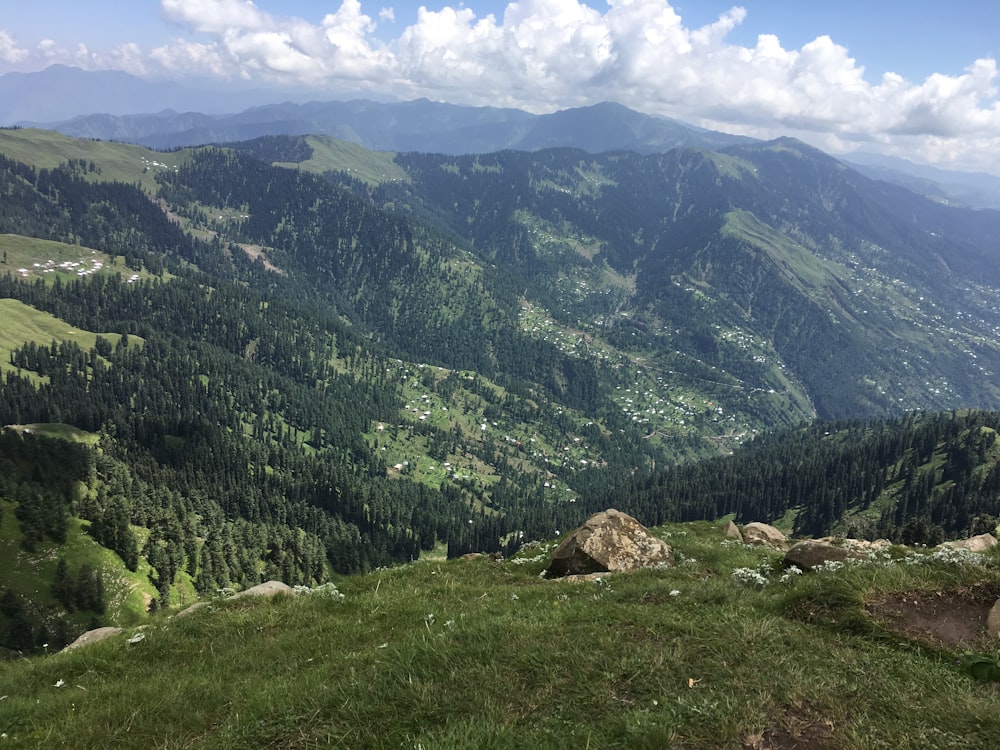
x: 283, y: 374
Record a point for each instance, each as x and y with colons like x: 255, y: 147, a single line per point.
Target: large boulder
x: 732, y: 531
x: 812, y: 553
x: 610, y: 541
x: 93, y: 636
x: 979, y: 543
x: 193, y: 608
x: 993, y: 621
x: 270, y: 588
x: 764, y: 535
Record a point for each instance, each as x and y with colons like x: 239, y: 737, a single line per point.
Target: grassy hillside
x: 371, y: 167
x: 471, y: 653
x: 23, y: 323
x: 32, y: 258
x: 112, y: 161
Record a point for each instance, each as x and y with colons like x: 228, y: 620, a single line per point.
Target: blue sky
x: 915, y: 78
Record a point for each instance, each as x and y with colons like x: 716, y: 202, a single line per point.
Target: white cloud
x: 128, y: 57
x: 9, y: 51
x: 387, y: 14
x: 216, y: 16
x: 184, y: 58
x: 548, y: 54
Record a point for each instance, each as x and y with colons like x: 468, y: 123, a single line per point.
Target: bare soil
x: 950, y: 619
x: 797, y: 727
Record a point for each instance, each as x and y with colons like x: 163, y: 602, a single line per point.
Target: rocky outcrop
x: 732, y: 531
x: 193, y: 608
x: 812, y: 553
x: 270, y: 588
x: 764, y: 535
x: 609, y: 541
x: 861, y: 545
x: 979, y: 543
x: 93, y: 636
x: 993, y: 621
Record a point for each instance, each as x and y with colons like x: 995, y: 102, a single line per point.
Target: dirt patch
x: 952, y: 618
x: 797, y: 727
x: 255, y: 252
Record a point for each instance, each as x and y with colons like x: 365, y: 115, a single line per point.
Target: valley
x: 299, y: 359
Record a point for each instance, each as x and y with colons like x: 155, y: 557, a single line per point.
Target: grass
x: 31, y: 258
x: 478, y: 654
x: 115, y: 162
x: 59, y: 430
x: 371, y: 167
x: 31, y: 574
x: 23, y: 323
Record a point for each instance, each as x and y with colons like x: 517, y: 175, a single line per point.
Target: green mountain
x: 302, y: 372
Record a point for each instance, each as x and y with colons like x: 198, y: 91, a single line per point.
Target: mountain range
x: 419, y: 125
x: 112, y: 105
x: 294, y: 357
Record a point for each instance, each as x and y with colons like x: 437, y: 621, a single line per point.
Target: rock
x: 732, y: 531
x: 764, y: 535
x: 993, y: 621
x: 609, y: 541
x: 867, y: 546
x: 812, y: 553
x: 271, y: 588
x: 979, y: 543
x: 93, y: 636
x: 193, y: 608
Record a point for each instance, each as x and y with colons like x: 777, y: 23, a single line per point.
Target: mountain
x: 971, y: 189
x: 419, y: 125
x: 295, y: 358
x: 61, y: 92
x: 851, y: 287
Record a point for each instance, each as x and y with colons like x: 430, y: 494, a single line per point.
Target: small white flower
x: 750, y: 576
x: 514, y: 597
x: 793, y: 570
x: 675, y: 592
x: 60, y: 683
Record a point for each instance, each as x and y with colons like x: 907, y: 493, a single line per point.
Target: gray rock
x: 979, y: 543
x: 193, y: 608
x: 93, y: 636
x: 993, y: 620
x: 812, y: 553
x: 609, y: 541
x: 732, y: 531
x: 270, y: 588
x: 764, y: 535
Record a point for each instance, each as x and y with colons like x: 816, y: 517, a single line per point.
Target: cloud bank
x: 543, y: 55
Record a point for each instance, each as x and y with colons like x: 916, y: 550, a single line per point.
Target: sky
x: 914, y: 79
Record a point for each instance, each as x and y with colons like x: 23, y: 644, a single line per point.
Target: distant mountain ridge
x: 972, y: 189
x: 117, y: 106
x: 61, y: 92
x: 419, y: 125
